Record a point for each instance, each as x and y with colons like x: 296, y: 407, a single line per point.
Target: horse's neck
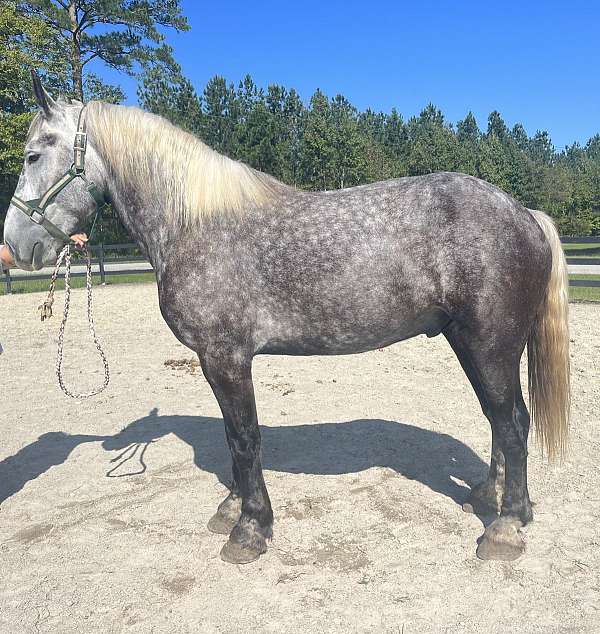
x: 142, y: 214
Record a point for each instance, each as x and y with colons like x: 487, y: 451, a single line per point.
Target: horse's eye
x: 32, y: 158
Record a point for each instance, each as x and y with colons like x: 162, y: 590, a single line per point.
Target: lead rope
x: 46, y: 312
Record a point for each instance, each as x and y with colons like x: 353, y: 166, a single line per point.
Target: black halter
x: 36, y: 208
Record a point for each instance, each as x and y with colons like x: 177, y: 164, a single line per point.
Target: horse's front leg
x: 229, y: 374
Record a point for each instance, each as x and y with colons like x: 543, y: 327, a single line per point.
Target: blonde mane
x: 192, y: 180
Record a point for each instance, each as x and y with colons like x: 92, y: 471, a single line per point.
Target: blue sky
x: 538, y: 63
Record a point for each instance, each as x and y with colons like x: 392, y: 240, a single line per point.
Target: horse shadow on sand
x: 438, y: 461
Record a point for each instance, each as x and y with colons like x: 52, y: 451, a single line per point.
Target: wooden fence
x: 594, y: 260
x: 105, y: 254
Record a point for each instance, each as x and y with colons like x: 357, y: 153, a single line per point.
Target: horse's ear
x: 43, y: 99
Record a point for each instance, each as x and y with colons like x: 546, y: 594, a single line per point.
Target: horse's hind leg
x: 498, y: 388
x: 229, y: 375
x: 486, y: 497
x: 510, y: 419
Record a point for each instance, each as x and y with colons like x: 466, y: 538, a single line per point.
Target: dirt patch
x: 278, y: 385
x: 305, y: 508
x: 179, y: 585
x: 331, y: 553
x: 32, y: 534
x: 189, y: 366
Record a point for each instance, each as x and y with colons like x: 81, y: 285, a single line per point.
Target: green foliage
x: 120, y: 33
x: 24, y: 43
x: 164, y: 90
x: 324, y: 144
x: 581, y: 223
x: 332, y: 147
x: 329, y: 144
x: 433, y: 145
x: 59, y: 38
x: 222, y: 115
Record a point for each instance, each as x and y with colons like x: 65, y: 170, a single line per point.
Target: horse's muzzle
x: 33, y: 259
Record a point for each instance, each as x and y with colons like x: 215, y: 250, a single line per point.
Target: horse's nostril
x: 37, y: 255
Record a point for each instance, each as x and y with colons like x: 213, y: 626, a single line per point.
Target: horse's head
x: 38, y: 222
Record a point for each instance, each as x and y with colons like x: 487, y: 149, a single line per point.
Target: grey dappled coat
x: 293, y: 272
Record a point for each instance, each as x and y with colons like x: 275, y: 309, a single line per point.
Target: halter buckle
x: 79, y: 147
x: 80, y: 142
x: 35, y: 210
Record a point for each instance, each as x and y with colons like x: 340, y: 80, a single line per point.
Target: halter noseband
x: 36, y: 208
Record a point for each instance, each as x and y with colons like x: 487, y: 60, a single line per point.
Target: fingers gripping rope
x: 46, y: 312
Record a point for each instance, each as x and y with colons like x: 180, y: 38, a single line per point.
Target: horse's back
x: 446, y: 232
x: 387, y: 261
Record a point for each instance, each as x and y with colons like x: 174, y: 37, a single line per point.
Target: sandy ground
x: 367, y: 459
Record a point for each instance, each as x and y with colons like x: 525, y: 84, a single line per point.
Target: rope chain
x: 46, y: 313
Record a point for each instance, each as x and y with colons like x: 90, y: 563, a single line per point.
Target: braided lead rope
x: 46, y: 312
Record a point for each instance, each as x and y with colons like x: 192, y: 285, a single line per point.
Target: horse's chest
x: 200, y: 308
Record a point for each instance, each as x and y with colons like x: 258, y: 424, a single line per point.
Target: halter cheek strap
x: 36, y: 208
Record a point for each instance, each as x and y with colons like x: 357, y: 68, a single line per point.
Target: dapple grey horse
x: 247, y: 265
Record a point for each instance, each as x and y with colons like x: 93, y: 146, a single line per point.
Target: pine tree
x: 294, y: 116
x: 317, y: 144
x: 541, y: 149
x: 469, y: 139
x: 433, y: 144
x: 221, y: 116
x: 519, y: 136
x: 348, y: 160
x: 164, y: 90
x: 496, y: 126
x: 121, y: 33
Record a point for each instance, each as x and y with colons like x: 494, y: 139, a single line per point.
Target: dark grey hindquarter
x: 351, y: 270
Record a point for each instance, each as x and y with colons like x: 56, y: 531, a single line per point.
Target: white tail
x: 548, y: 353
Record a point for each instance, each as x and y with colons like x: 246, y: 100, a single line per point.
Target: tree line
x: 326, y: 143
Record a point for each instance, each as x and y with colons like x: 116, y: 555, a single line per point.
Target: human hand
x: 79, y: 239
x: 5, y: 257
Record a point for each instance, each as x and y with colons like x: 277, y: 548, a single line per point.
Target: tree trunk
x: 77, y: 75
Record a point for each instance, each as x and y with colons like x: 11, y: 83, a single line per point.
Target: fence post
x: 101, y: 263
x: 8, y: 281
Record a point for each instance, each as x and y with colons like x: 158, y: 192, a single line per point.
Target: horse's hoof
x: 234, y: 553
x: 501, y: 541
x: 220, y: 524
